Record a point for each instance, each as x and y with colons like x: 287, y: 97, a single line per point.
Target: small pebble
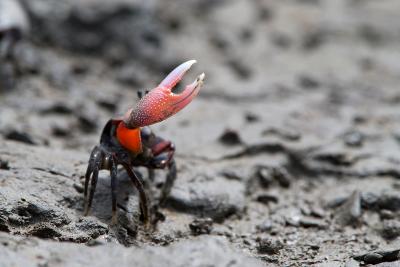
x: 201, y: 226
x: 353, y: 139
x: 269, y: 246
x: 308, y: 82
x: 265, y: 226
x: 390, y: 229
x: 350, y: 212
x: 311, y: 222
x: 230, y: 137
x: 266, y: 198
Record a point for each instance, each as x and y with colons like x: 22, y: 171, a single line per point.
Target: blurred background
x: 289, y: 64
x: 300, y: 104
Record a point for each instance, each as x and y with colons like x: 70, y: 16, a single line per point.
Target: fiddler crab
x: 128, y: 141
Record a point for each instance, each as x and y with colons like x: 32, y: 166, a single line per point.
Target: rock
x: 32, y: 211
x: 207, y: 197
x: 373, y: 258
x: 385, y: 200
x: 201, y: 226
x: 370, y: 200
x: 336, y: 202
x: 312, y: 222
x: 353, y: 139
x: 57, y: 108
x: 313, y: 40
x: 230, y: 137
x: 232, y: 174
x: 264, y: 176
x: 390, y: 229
x: 4, y: 165
x: 282, y: 176
x: 91, y: 227
x: 317, y: 212
x: 389, y: 200
x: 251, y: 117
x: 378, y: 256
x: 240, y: 69
x: 308, y: 82
x: 386, y: 214
x: 267, y: 198
x: 44, y: 230
x: 201, y: 251
x: 20, y: 137
x: 269, y: 246
x: 265, y: 226
x: 268, y: 175
x: 350, y: 211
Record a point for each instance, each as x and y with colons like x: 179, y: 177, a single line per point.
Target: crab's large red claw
x: 161, y: 103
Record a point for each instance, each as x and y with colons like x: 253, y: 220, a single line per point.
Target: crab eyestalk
x: 161, y: 103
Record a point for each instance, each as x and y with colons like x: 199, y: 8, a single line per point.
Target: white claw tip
x: 202, y: 76
x: 189, y: 63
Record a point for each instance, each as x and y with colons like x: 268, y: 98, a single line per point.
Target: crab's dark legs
x: 114, y: 183
x: 92, y: 170
x: 89, y: 172
x: 142, y: 194
x: 164, y: 157
x: 93, y: 184
x: 169, y: 182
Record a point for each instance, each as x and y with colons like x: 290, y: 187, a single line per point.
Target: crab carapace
x: 128, y: 141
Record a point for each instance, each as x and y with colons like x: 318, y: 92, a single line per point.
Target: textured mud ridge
x: 288, y: 157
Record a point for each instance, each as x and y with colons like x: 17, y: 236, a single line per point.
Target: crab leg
x: 92, y: 171
x: 137, y: 182
x: 92, y: 189
x: 114, y: 183
x: 169, y: 181
x: 89, y: 171
x: 161, y: 103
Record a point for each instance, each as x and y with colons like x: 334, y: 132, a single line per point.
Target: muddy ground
x: 290, y: 155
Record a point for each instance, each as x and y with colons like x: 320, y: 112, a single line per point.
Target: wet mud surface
x: 289, y: 156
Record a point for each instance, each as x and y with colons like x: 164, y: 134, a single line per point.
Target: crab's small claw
x: 161, y: 103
